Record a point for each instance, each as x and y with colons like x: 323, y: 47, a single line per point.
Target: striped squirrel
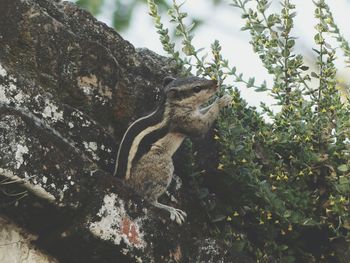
x: 145, y: 153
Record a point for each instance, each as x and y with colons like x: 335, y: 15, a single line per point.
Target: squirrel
x: 145, y: 153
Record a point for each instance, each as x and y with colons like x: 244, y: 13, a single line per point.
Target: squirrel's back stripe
x: 148, y: 140
x: 137, y: 142
x: 132, y: 137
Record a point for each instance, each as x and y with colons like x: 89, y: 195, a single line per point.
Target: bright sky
x: 223, y: 23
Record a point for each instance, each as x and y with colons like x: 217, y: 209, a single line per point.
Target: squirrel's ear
x: 167, y: 81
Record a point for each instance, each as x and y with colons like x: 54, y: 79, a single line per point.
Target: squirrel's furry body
x: 145, y: 153
x: 145, y: 181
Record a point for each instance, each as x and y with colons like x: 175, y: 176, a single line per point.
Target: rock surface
x: 16, y: 247
x: 69, y: 87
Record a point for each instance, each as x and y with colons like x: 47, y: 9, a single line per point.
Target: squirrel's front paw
x: 225, y: 101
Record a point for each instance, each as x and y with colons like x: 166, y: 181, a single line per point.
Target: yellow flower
x: 220, y: 166
x: 228, y: 218
x: 235, y: 213
x: 244, y: 161
x: 290, y: 227
x: 216, y: 137
x: 296, y: 137
x: 342, y: 199
x: 269, y: 215
x: 274, y: 90
x: 261, y: 222
x: 273, y: 188
x: 282, y: 232
x: 329, y: 20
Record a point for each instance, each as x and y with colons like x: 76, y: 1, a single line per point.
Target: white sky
x: 223, y: 22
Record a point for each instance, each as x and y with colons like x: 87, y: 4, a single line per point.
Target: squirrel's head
x: 193, y: 91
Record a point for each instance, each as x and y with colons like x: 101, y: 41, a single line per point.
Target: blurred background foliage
x: 123, y: 10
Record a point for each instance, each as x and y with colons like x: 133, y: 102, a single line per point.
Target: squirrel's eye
x: 197, y: 89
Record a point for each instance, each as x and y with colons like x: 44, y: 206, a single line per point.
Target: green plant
x: 287, y: 181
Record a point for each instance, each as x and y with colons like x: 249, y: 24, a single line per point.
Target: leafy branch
x: 213, y: 69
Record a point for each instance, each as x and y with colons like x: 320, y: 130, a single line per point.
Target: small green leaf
x: 343, y: 168
x: 251, y: 82
x: 290, y: 43
x: 316, y: 51
x: 318, y: 39
x: 259, y: 28
x: 287, y: 214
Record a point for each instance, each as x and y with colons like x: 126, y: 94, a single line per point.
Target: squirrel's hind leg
x: 175, y: 214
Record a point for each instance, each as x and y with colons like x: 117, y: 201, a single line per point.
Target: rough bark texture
x: 69, y: 86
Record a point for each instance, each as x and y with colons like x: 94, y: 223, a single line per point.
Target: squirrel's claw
x: 225, y: 101
x: 178, y: 215
x: 175, y: 214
